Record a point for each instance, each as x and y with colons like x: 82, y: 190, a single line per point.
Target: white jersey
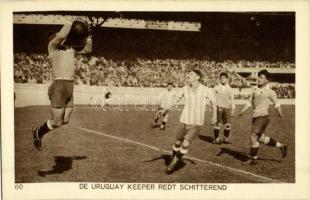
x: 195, y: 104
x: 224, y: 96
x: 166, y: 98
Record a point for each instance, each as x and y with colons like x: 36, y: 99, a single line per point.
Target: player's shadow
x: 236, y: 154
x: 62, y: 164
x: 168, y: 158
x: 270, y: 159
x: 242, y: 156
x: 206, y: 138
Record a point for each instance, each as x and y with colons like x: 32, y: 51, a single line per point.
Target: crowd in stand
x: 32, y: 68
x: 149, y: 73
x: 139, y: 72
x: 261, y: 64
x: 284, y: 90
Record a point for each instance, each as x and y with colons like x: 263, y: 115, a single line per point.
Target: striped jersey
x: 260, y: 100
x: 166, y: 98
x: 224, y: 96
x: 195, y: 104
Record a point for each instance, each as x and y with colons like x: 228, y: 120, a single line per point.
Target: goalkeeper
x: 73, y: 38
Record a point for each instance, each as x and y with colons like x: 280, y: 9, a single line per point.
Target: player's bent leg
x: 188, y: 133
x: 274, y: 143
x: 42, y: 130
x: 157, y: 117
x: 182, y: 150
x: 259, y: 125
x: 175, y: 157
x: 55, y: 122
x: 38, y: 134
x: 58, y: 116
x: 180, y: 132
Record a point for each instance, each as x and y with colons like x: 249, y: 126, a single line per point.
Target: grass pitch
x: 120, y: 146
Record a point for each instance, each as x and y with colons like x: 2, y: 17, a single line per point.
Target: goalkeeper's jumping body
x: 71, y: 39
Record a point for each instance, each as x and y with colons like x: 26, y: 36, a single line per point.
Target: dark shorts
x: 187, y: 132
x: 61, y: 93
x: 223, y: 115
x: 259, y: 124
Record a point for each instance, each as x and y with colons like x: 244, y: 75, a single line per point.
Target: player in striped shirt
x: 260, y: 100
x: 195, y: 96
x: 225, y: 108
x: 165, y: 99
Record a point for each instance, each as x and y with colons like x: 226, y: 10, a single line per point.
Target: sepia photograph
x: 106, y: 85
x: 154, y: 100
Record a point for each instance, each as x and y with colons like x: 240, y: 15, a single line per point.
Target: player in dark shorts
x: 260, y: 100
x: 71, y: 39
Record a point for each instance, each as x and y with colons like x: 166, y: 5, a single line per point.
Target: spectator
x: 140, y: 72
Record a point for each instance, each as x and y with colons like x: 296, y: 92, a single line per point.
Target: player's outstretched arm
x: 247, y: 105
x: 279, y: 110
x: 60, y: 37
x: 211, y: 98
x: 274, y: 99
x: 174, y: 103
x: 245, y: 108
x: 214, y: 116
x: 232, y: 99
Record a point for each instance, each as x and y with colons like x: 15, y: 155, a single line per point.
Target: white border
x: 300, y: 190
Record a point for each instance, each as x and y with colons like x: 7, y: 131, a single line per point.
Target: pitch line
x: 242, y: 172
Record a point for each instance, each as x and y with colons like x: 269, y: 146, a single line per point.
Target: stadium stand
x: 99, y: 71
x: 148, y: 50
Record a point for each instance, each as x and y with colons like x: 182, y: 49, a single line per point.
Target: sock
x: 216, y: 133
x: 254, y: 152
x: 43, y: 129
x: 226, y: 133
x: 274, y: 143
